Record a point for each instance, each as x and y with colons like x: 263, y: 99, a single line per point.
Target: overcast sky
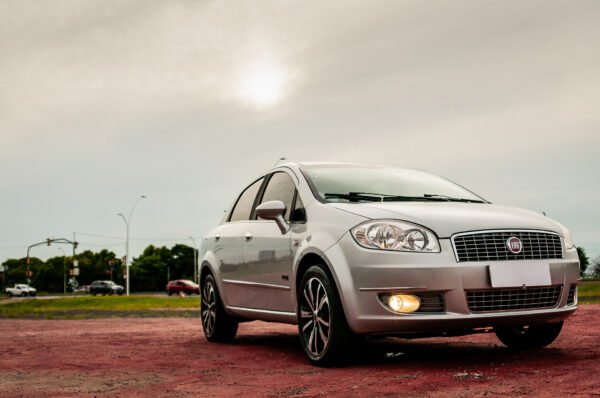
x: 187, y: 101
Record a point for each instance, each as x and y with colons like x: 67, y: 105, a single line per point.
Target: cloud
x: 101, y: 101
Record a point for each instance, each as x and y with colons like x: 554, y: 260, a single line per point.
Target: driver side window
x: 280, y: 187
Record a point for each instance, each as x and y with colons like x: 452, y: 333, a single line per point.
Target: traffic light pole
x: 48, y: 242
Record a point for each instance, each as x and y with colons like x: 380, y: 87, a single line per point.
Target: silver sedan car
x: 350, y: 250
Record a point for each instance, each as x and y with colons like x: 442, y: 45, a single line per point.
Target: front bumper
x: 362, y: 275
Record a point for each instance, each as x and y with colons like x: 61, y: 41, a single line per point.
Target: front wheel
x: 527, y: 337
x: 324, y: 332
x: 218, y: 326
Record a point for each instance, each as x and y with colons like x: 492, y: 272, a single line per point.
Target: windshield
x: 356, y: 183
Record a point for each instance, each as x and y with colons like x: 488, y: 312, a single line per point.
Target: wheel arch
x: 317, y: 257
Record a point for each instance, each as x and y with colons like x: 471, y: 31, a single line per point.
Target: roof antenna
x: 281, y: 159
x: 544, y: 213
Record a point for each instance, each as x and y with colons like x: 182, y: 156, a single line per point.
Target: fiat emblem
x: 514, y: 244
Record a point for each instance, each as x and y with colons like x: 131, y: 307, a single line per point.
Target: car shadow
x: 436, y: 353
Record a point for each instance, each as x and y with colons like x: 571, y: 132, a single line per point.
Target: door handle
x: 217, y: 237
x: 248, y: 236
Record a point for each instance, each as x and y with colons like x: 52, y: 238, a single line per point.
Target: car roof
x: 297, y: 165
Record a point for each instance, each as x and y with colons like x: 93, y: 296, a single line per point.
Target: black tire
x: 23, y: 294
x: 120, y: 293
x: 218, y: 326
x: 528, y: 337
x: 9, y: 294
x: 93, y: 293
x: 324, y: 333
x: 169, y: 292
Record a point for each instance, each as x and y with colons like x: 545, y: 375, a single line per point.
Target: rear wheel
x: 526, y: 337
x: 324, y: 332
x: 218, y: 326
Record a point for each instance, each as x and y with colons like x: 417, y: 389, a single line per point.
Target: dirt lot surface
x: 148, y: 357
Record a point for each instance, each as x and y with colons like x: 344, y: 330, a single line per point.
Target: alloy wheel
x: 315, y: 316
x: 208, y: 308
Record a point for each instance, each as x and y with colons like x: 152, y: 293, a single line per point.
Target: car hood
x: 448, y: 218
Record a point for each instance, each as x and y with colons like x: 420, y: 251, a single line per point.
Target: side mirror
x: 274, y: 210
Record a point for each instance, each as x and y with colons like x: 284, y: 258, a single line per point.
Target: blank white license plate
x: 519, y: 273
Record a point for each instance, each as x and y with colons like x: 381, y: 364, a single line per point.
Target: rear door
x: 228, y: 246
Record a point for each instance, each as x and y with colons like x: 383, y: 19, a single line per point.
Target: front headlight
x: 395, y: 235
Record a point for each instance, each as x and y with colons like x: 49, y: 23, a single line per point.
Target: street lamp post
x: 127, y: 224
x: 195, y: 260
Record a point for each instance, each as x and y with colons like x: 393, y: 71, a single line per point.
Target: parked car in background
x: 182, y: 286
x: 105, y: 287
x: 21, y: 290
x: 347, y: 250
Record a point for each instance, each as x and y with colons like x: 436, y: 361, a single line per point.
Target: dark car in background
x: 105, y: 287
x: 182, y: 286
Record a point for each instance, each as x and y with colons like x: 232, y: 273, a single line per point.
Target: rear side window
x: 243, y: 207
x: 280, y: 187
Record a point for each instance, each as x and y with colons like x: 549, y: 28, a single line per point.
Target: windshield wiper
x: 381, y: 197
x: 451, y: 199
x: 356, y: 196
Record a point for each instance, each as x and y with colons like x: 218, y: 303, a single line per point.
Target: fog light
x: 404, y: 303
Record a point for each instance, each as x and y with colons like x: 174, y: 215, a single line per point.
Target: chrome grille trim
x: 490, y: 245
x: 516, y: 299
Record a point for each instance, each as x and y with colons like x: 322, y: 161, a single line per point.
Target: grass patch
x: 101, y: 307
x: 84, y: 307
x: 589, y: 292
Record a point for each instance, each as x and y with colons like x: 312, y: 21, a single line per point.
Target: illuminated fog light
x: 403, y: 303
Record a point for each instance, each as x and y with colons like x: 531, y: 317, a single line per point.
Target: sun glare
x: 262, y: 84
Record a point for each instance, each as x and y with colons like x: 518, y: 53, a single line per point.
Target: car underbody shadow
x: 432, y: 353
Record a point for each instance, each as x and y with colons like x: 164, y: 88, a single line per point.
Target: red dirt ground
x: 135, y: 357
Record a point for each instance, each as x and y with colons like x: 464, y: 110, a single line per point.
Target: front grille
x: 492, y: 246
x: 431, y: 302
x: 530, y: 298
x: 572, y: 295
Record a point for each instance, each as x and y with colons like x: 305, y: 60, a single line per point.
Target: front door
x: 268, y: 252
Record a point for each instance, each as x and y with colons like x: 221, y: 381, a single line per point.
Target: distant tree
x: 182, y: 262
x: 94, y: 266
x: 594, y: 270
x: 584, y: 260
x: 16, y: 270
x: 157, y: 265
x: 149, y: 271
x: 48, y: 277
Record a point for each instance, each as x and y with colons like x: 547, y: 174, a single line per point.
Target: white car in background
x: 21, y: 290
